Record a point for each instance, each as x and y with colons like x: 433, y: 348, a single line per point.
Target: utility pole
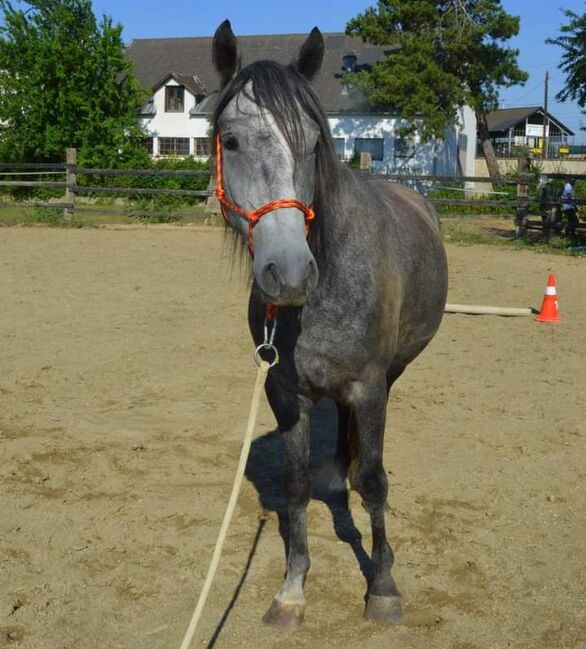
x: 545, y: 118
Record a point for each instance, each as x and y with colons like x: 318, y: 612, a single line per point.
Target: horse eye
x: 230, y: 143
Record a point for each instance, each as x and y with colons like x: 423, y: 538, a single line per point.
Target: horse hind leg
x: 347, y: 449
x: 383, y: 603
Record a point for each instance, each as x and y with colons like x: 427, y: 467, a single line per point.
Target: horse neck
x: 341, y: 211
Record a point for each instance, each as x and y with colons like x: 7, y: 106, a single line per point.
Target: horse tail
x: 353, y: 451
x: 346, y: 457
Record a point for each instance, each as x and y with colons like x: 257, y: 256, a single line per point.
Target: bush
x: 509, y: 193
x: 188, y: 182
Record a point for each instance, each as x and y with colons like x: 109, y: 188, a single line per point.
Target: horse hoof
x: 385, y: 610
x: 287, y: 617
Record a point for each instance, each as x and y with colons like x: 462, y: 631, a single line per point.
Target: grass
x: 497, y: 231
x: 461, y: 230
x: 100, y: 214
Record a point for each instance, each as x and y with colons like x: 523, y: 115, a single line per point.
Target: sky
x: 540, y: 19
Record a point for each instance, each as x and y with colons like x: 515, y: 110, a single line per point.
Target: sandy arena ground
x: 125, y: 382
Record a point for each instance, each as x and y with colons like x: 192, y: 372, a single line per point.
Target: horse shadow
x: 265, y: 469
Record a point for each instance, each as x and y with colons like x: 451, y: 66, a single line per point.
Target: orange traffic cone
x: 549, y: 306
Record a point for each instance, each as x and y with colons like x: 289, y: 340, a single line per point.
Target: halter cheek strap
x: 254, y: 216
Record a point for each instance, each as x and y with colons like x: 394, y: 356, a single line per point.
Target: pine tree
x: 573, y: 63
x: 442, y: 54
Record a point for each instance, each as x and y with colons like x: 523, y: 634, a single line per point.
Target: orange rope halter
x: 254, y: 217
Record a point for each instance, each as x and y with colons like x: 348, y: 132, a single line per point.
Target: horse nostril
x: 270, y: 281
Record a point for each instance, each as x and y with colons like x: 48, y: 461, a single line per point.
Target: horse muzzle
x: 286, y: 282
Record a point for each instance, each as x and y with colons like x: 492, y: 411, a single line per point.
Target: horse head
x: 268, y: 127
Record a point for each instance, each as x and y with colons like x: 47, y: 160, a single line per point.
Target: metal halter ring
x: 267, y: 346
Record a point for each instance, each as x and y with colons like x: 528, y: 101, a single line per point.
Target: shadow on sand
x: 265, y: 470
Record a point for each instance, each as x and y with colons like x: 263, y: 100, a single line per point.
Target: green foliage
x: 49, y: 217
x: 506, y: 193
x: 159, y: 205
x: 442, y: 54
x: 573, y: 63
x: 139, y: 161
x: 354, y: 162
x: 188, y: 182
x: 65, y: 82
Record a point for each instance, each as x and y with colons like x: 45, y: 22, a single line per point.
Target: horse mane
x: 286, y: 95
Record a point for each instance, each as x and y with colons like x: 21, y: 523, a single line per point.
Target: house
x: 515, y: 130
x: 184, y: 86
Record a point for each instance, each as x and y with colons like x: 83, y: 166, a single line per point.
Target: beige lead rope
x: 261, y: 377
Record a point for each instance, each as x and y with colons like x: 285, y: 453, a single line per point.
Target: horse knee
x: 372, y: 485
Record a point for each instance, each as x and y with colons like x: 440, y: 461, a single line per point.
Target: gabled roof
x: 504, y: 118
x: 155, y: 58
x: 192, y: 83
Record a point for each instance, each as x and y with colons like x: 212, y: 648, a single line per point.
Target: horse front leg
x: 288, y: 607
x: 383, y: 599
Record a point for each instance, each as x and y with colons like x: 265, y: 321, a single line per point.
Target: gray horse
x: 357, y: 271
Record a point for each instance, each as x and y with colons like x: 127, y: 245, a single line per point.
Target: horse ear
x: 225, y: 52
x: 311, y: 55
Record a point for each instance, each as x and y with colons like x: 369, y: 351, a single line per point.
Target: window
x: 462, y: 141
x: 404, y: 147
x: 201, y: 147
x: 339, y: 147
x: 375, y: 146
x: 178, y: 146
x: 174, y: 99
x: 148, y: 145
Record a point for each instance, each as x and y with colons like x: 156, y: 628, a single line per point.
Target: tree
x: 65, y: 82
x: 573, y: 62
x: 442, y: 54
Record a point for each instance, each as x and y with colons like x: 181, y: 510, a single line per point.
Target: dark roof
x: 155, y: 58
x: 191, y: 82
x: 504, y: 118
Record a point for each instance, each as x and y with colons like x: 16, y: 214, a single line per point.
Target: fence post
x: 523, y: 179
x: 212, y: 208
x: 365, y: 162
x: 71, y: 180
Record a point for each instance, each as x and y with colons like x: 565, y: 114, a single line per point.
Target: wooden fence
x: 520, y: 207
x: 72, y: 189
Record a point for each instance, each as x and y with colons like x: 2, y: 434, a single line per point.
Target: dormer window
x: 349, y: 62
x: 174, y: 99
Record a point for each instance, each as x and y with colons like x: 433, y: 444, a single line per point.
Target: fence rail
x: 33, y: 183
x: 30, y: 166
x: 549, y: 210
x: 421, y: 177
x: 142, y: 172
x: 80, y: 190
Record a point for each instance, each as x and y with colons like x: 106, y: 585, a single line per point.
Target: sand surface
x: 125, y: 382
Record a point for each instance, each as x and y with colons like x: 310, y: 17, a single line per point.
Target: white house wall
x: 436, y: 157
x: 164, y: 124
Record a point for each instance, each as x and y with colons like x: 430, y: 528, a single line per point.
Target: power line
x: 537, y: 87
x: 539, y: 65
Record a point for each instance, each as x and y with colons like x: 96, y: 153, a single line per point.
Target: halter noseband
x: 254, y: 216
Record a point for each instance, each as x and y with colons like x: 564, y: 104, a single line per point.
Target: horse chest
x: 327, y: 360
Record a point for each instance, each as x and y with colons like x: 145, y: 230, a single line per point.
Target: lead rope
x: 261, y: 377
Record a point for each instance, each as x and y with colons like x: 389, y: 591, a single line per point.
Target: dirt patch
x: 125, y: 384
